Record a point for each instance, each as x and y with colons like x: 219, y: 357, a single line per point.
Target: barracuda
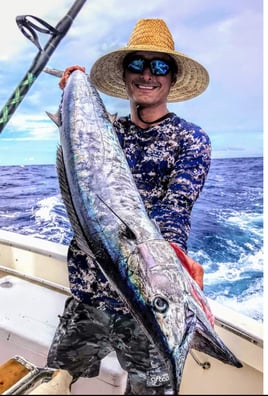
x: 110, y: 222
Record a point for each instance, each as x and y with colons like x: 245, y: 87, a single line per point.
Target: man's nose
x: 147, y: 72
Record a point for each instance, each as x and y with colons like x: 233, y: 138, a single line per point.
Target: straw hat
x: 149, y: 35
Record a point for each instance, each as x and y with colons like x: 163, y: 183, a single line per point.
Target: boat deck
x: 27, y: 326
x: 36, y: 286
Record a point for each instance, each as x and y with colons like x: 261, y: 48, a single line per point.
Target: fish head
x: 160, y: 280
x: 174, y: 313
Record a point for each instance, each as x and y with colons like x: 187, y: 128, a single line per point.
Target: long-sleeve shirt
x: 170, y: 163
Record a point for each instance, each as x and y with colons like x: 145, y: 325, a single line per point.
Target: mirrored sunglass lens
x: 159, y: 67
x: 136, y: 65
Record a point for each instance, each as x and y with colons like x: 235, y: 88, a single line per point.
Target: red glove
x: 195, y: 269
x: 66, y: 74
x: 197, y: 273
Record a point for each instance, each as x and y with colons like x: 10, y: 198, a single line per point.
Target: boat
x: 33, y: 288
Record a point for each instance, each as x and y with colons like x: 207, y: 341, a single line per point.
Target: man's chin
x: 143, y: 101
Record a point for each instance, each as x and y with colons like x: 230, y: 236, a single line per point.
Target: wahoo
x: 110, y: 222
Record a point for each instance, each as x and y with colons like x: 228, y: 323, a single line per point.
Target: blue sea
x: 227, y: 224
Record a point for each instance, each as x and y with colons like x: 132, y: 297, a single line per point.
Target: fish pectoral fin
x: 126, y: 230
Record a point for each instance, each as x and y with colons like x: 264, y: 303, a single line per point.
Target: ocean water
x: 227, y: 224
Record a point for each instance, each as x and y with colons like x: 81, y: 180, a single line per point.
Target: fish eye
x: 160, y: 304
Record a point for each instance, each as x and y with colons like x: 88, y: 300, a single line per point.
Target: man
x: 169, y: 158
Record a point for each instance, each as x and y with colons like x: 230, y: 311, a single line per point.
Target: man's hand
x: 195, y: 269
x: 66, y: 74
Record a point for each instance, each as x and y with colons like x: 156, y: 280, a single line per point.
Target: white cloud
x: 32, y: 127
x: 224, y: 35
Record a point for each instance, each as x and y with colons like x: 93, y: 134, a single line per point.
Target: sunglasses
x: 158, y: 67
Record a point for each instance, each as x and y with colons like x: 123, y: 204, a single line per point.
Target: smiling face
x: 144, y: 86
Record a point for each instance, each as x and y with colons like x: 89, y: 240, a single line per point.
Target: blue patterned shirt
x: 170, y: 163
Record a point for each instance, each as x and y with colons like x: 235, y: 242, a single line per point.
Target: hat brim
x: 107, y: 74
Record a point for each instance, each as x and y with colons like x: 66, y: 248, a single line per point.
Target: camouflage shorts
x: 85, y: 335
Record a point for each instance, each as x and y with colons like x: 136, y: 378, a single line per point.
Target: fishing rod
x: 29, y: 24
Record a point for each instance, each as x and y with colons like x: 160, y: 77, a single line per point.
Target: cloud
x: 31, y: 127
x: 226, y: 36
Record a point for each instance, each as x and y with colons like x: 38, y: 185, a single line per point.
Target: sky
x: 225, y: 36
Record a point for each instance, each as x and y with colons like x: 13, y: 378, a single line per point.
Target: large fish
x: 110, y: 222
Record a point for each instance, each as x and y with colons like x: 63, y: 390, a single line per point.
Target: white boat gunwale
x: 243, y: 334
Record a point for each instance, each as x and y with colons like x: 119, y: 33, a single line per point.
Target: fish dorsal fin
x: 112, y: 117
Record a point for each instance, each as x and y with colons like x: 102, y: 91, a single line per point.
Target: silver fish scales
x: 110, y: 223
